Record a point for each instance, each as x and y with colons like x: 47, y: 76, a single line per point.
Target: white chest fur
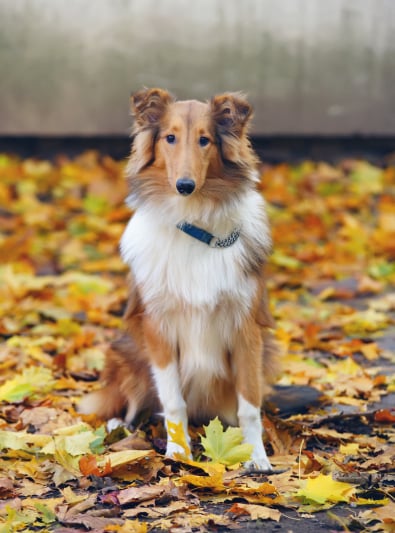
x: 173, y: 269
x: 197, y: 294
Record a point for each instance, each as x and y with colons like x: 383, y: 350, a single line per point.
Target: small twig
x: 300, y: 459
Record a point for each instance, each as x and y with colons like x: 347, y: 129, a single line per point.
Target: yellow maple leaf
x: 213, y: 479
x: 214, y: 482
x: 324, y: 488
x: 177, y: 435
x: 209, y: 468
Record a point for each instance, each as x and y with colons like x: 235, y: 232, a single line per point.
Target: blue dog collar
x: 207, y: 237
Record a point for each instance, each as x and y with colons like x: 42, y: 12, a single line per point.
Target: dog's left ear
x: 232, y: 114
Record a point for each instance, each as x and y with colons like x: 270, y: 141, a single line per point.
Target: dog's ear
x: 232, y: 114
x: 148, y: 107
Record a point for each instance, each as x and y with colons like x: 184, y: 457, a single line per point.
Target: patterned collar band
x: 207, y: 237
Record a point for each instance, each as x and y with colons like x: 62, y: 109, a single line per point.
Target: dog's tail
x: 127, y: 388
x: 106, y: 403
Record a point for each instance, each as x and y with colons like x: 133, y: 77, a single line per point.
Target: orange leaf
x: 88, y: 467
x: 385, y: 416
x: 238, y: 510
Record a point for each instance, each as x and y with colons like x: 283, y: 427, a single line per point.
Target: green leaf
x: 366, y: 178
x: 97, y: 445
x: 96, y: 205
x: 74, y: 445
x: 382, y: 269
x: 87, y: 283
x: 285, y: 261
x: 18, y: 520
x: 47, y: 516
x: 225, y: 447
x: 32, y: 382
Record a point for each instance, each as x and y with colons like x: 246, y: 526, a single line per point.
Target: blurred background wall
x: 309, y: 66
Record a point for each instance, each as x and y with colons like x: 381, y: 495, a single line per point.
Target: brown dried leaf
x: 256, y: 512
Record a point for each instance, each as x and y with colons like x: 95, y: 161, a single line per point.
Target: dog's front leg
x: 166, y: 376
x: 168, y: 386
x: 249, y: 384
x: 249, y: 416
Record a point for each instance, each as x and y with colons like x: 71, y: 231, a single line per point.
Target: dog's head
x: 190, y: 141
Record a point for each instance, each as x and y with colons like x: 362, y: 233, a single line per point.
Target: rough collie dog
x: 197, y: 339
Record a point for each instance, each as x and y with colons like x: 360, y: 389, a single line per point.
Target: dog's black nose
x: 185, y: 186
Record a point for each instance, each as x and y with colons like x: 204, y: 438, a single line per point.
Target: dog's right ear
x: 148, y: 107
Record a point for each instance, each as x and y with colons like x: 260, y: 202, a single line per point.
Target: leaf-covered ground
x: 62, y: 292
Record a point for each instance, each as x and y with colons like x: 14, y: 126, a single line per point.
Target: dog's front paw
x: 173, y: 450
x: 115, y: 423
x: 261, y: 463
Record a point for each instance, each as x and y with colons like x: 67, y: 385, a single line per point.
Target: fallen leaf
x: 89, y: 467
x: 352, y: 448
x: 177, y: 435
x: 6, y: 488
x: 124, y: 457
x: 71, y: 497
x: 141, y: 494
x: 323, y: 488
x: 32, y: 382
x: 256, y: 512
x: 159, y: 511
x: 225, y: 446
x: 385, y: 416
x: 385, y: 514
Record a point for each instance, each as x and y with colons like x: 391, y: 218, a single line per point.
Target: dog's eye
x: 203, y: 141
x: 171, y: 139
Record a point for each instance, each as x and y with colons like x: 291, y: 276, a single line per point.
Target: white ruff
x: 197, y: 295
x: 172, y: 268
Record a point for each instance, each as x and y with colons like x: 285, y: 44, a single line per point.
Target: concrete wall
x: 309, y: 66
